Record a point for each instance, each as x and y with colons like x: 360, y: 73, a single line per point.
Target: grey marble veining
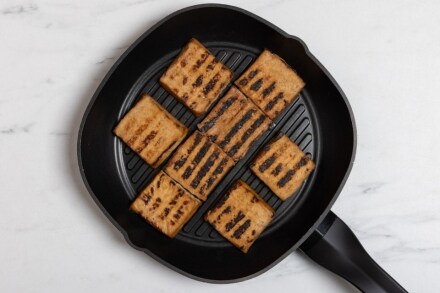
x: 53, y: 55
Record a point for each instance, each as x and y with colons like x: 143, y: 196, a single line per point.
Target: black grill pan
x: 320, y: 121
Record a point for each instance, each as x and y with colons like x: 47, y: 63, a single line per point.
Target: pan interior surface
x: 319, y: 121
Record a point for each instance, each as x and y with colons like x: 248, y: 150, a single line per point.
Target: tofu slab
x: 240, y: 216
x: 283, y: 167
x: 199, y: 165
x: 150, y: 131
x: 196, y: 77
x: 270, y: 83
x: 235, y: 123
x: 165, y: 204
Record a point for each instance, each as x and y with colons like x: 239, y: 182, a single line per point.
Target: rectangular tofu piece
x: 270, y: 83
x: 196, y: 77
x: 235, y: 123
x: 282, y: 166
x: 165, y: 204
x: 199, y: 165
x: 150, y: 131
x: 240, y: 216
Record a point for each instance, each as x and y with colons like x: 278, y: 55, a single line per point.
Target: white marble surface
x: 53, y: 54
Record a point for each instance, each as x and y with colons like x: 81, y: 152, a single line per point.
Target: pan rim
x: 122, y: 58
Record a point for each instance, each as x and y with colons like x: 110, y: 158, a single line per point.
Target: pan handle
x: 334, y: 246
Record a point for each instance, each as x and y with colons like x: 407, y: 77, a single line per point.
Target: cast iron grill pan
x: 320, y: 121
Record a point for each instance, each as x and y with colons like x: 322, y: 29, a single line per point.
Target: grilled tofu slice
x: 282, y: 166
x: 199, y: 165
x: 240, y: 216
x: 270, y: 83
x: 196, y: 77
x: 235, y: 123
x: 150, y: 131
x: 165, y: 204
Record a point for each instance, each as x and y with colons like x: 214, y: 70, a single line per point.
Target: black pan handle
x: 334, y: 246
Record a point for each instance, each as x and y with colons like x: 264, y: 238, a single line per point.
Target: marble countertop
x: 53, y: 54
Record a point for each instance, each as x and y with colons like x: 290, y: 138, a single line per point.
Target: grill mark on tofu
x: 237, y: 233
x: 257, y: 123
x: 253, y: 73
x: 277, y: 169
x: 146, y: 141
x: 225, y: 211
x: 269, y: 106
x: 231, y: 224
x: 201, y: 60
x: 243, y: 82
x: 199, y: 156
x: 198, y: 81
x: 269, y: 89
x: 222, y: 201
x: 199, y: 169
x: 179, y: 163
x: 266, y: 164
x: 212, y: 64
x: 137, y: 133
x: 202, y: 152
x: 257, y: 85
x: 289, y: 174
x: 211, y: 84
x: 205, y: 169
x: 146, y: 198
x: 156, y: 204
x: 213, y: 177
x: 210, y: 123
x: 237, y: 127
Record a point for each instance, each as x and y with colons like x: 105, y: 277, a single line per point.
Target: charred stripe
x: 211, y: 84
x: 289, y: 174
x: 179, y: 163
x: 212, y: 64
x: 200, y: 61
x: 205, y: 169
x: 210, y: 123
x: 146, y: 141
x: 257, y: 123
x: 253, y: 73
x: 277, y: 169
x: 273, y: 102
x: 237, y: 127
x: 136, y: 134
x: 198, y: 81
x: 237, y: 233
x: 214, y: 175
x: 257, y: 85
x: 266, y: 164
x: 202, y: 152
x: 234, y: 221
x: 269, y: 89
